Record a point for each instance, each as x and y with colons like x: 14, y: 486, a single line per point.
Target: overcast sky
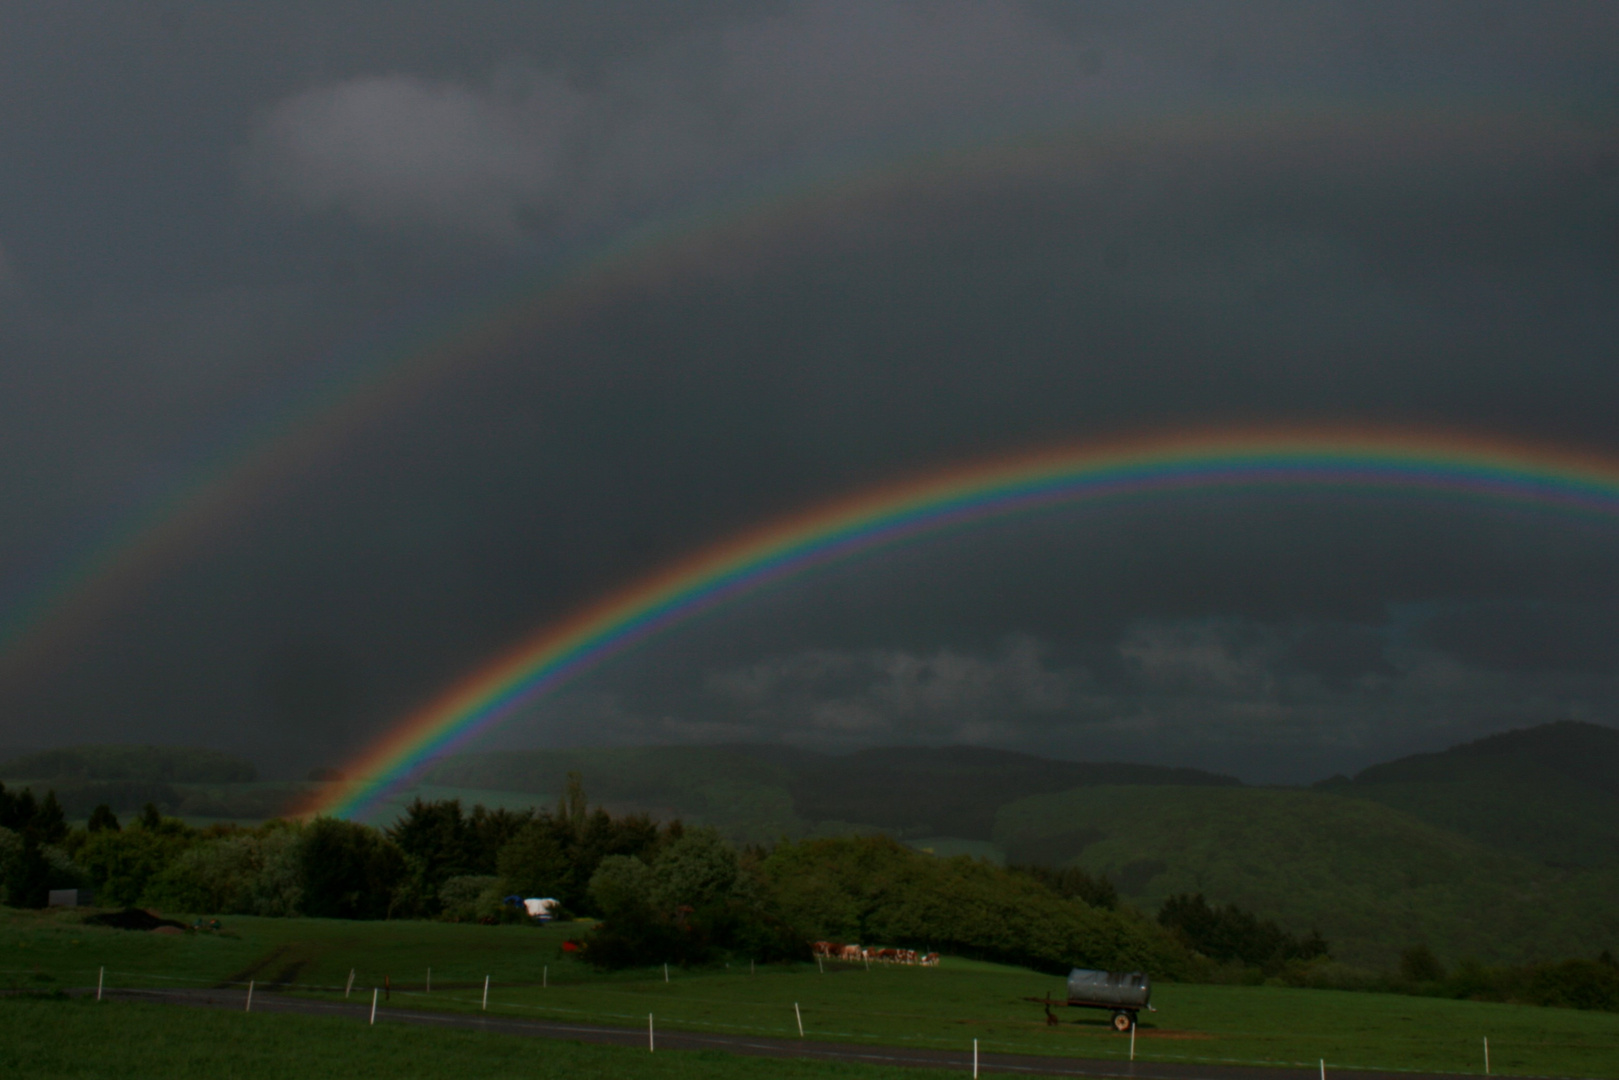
x: 903, y: 235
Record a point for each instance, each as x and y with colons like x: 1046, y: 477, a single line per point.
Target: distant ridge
x: 956, y: 790
x: 912, y: 791
x: 1585, y: 753
x: 148, y: 764
x: 1549, y: 792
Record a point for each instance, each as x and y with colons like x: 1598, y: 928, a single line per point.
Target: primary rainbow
x: 1424, y: 464
x: 228, y: 474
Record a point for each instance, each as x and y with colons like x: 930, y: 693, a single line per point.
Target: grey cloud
x: 398, y: 150
x: 10, y: 281
x: 538, y: 151
x: 1267, y: 701
x: 1226, y: 656
x: 834, y: 698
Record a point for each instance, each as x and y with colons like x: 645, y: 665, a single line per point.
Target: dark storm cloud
x: 1279, y: 212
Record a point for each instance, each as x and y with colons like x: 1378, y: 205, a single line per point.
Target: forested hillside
x: 1505, y: 849
x: 196, y: 782
x: 1550, y: 793
x: 1373, y: 880
x: 760, y: 793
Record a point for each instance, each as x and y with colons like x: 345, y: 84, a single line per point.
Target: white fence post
x: 102, y: 977
x: 486, y: 993
x: 374, y: 993
x: 249, y: 996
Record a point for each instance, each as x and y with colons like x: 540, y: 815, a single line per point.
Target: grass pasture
x: 946, y: 1007
x: 131, y: 1041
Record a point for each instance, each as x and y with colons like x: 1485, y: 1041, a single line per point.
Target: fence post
x: 800, y: 1017
x: 1132, y: 1038
x: 373, y: 1005
x: 486, y: 993
x: 649, y: 1046
x: 249, y: 996
x: 1486, y: 1055
x: 350, y: 986
x: 975, y: 1059
x: 1323, y: 1069
x: 429, y: 989
x: 102, y: 977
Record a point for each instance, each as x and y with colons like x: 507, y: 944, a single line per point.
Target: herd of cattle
x: 858, y: 954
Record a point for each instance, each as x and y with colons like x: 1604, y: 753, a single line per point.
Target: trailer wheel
x: 1123, y: 1021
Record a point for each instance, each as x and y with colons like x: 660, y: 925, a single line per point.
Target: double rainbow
x: 1427, y: 465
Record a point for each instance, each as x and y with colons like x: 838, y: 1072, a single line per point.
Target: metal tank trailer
x: 1124, y: 993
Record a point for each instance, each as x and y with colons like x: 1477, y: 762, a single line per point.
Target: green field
x: 158, y: 1042
x: 946, y: 1007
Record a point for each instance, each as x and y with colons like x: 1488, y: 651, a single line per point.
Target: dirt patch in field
x: 281, y: 967
x: 134, y: 919
x: 1156, y: 1034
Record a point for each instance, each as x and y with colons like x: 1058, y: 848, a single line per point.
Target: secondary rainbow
x: 229, y: 473
x: 1428, y: 465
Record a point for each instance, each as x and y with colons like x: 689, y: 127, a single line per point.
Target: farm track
x: 989, y: 1064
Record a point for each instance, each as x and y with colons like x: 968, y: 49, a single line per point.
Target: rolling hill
x: 1371, y: 878
x: 760, y: 794
x: 1505, y: 849
x: 1549, y: 793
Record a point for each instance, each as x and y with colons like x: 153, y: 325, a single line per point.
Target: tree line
x: 666, y: 893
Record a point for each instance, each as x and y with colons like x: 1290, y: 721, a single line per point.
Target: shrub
x: 1418, y: 964
x: 122, y: 864
x: 249, y: 872
x: 472, y: 897
x: 693, y: 904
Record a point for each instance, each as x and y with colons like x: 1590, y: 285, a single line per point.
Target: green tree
x: 348, y: 870
x: 697, y: 871
x: 1230, y: 933
x: 101, y: 818
x: 244, y: 872
x: 437, y: 845
x: 541, y: 860
x: 875, y: 891
x: 121, y: 864
x: 692, y: 904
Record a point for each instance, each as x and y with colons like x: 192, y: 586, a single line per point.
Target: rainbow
x: 1382, y: 462
x: 228, y: 475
